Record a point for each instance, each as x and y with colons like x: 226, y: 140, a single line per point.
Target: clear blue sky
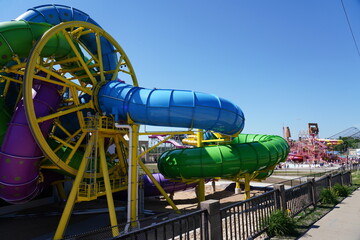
x: 285, y: 63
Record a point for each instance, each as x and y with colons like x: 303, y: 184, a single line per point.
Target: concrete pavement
x: 343, y: 222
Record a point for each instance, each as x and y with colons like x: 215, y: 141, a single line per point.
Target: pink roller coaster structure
x: 311, y: 149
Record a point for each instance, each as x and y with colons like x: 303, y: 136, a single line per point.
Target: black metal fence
x: 246, y: 218
x: 298, y: 198
x: 243, y: 220
x: 184, y: 227
x: 188, y: 226
x: 304, y: 178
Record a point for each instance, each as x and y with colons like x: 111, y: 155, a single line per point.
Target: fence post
x: 342, y: 178
x: 350, y: 178
x: 312, y: 190
x: 328, y: 177
x: 281, y: 193
x: 214, y: 218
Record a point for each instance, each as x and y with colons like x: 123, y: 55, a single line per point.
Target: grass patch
x: 304, y: 220
x: 311, y: 215
x: 356, y: 178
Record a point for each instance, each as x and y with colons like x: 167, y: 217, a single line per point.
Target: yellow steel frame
x: 76, y: 85
x: 95, y: 141
x: 65, y: 217
x: 147, y: 171
x: 109, y: 197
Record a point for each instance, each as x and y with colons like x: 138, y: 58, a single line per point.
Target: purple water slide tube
x: 168, y: 185
x: 20, y: 155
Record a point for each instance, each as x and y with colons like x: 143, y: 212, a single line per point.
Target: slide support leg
x: 109, y: 196
x: 247, y: 186
x: 65, y: 217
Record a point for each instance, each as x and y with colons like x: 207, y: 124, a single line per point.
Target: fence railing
x: 246, y: 219
x: 319, y: 185
x: 187, y: 226
x: 303, y: 179
x: 243, y: 220
x: 298, y: 198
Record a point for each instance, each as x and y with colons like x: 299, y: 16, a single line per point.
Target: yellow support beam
x: 122, y: 161
x: 201, y: 185
x: 155, y: 146
x: 200, y: 138
x: 237, y: 187
x: 158, y: 186
x: 65, y: 217
x: 201, y: 190
x: 214, y: 140
x: 109, y: 196
x: 247, y: 186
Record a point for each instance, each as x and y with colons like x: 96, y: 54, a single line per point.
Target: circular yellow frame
x: 72, y: 32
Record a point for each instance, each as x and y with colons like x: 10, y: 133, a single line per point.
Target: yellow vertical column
x: 133, y: 175
x: 237, y: 187
x: 247, y: 186
x: 109, y: 196
x: 201, y: 185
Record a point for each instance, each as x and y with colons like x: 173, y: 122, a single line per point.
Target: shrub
x: 328, y: 196
x: 281, y: 224
x: 341, y: 190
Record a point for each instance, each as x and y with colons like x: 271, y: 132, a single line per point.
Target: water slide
x: 159, y: 107
x: 171, y: 108
x: 4, y: 119
x: 330, y: 142
x: 247, y: 153
x: 20, y: 156
x: 19, y: 152
x: 169, y: 186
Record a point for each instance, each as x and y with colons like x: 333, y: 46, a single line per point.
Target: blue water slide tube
x: 172, y: 108
x: 55, y: 14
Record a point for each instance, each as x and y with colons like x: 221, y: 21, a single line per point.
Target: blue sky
x: 285, y: 63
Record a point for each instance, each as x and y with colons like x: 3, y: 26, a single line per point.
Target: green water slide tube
x: 16, y: 40
x: 247, y: 153
x: 18, y: 37
x: 4, y: 119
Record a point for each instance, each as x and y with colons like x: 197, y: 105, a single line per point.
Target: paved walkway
x: 343, y: 222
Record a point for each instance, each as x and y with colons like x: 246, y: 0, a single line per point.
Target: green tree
x: 349, y: 142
